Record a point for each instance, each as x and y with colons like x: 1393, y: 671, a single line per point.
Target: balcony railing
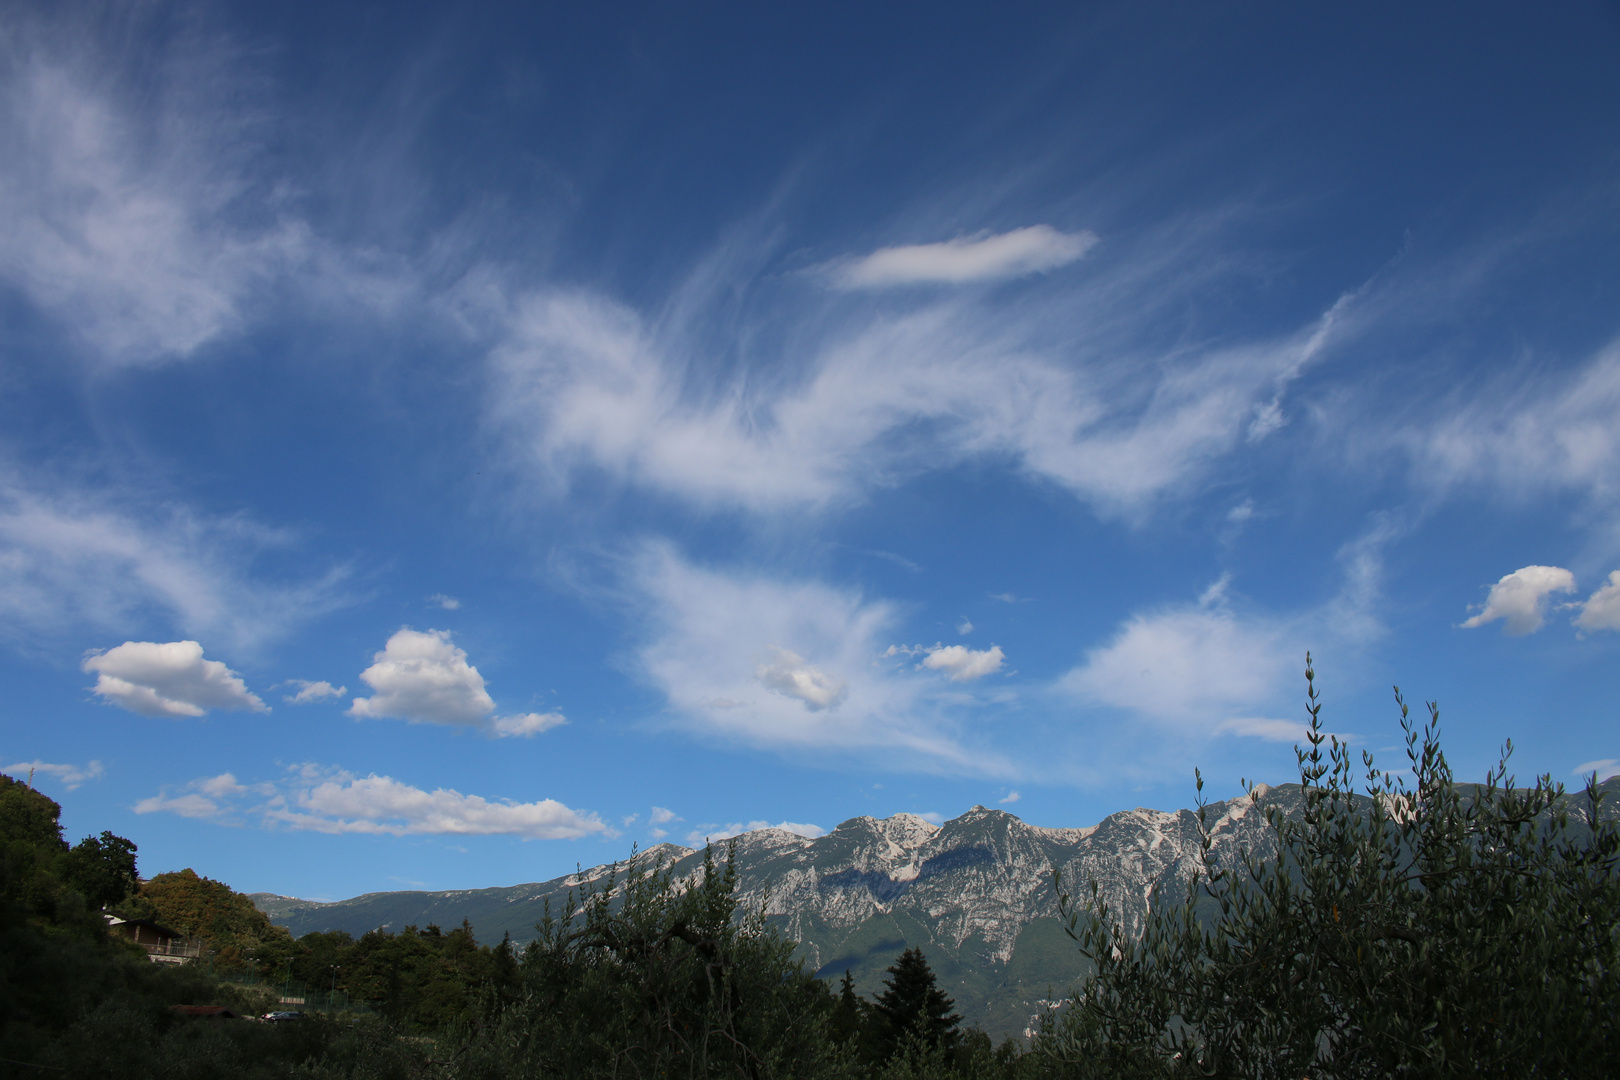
x: 177, y: 950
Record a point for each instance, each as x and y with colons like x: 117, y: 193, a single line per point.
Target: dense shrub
x: 1417, y: 927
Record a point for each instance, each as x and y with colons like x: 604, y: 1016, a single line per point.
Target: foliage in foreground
x: 1423, y: 928
x: 655, y: 977
x: 1411, y: 928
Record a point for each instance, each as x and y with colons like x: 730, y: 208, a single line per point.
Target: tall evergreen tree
x: 848, y: 1013
x: 913, y: 1002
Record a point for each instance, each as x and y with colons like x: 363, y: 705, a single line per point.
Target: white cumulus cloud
x: 1519, y: 599
x: 983, y: 257
x: 786, y: 672
x: 169, y: 679
x: 1601, y: 610
x: 423, y: 677
x: 311, y: 692
x: 963, y: 664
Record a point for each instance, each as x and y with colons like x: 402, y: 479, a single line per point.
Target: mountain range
x: 976, y: 894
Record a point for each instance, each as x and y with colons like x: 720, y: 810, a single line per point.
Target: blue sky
x: 438, y: 448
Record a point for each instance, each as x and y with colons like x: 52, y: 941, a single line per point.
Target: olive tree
x: 1407, y: 925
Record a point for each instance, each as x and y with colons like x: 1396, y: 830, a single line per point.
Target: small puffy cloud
x: 421, y: 676
x: 311, y: 692
x: 787, y: 674
x: 221, y: 786
x: 982, y: 257
x: 443, y: 602
x: 963, y: 664
x: 965, y: 627
x: 715, y: 833
x: 524, y: 725
x: 335, y: 801
x: 1006, y: 598
x: 933, y: 817
x: 1601, y: 611
x: 69, y: 776
x: 170, y: 679
x: 1604, y: 767
x: 660, y: 817
x: 1012, y: 797
x: 1520, y: 599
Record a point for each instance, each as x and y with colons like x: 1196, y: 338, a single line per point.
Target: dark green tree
x: 649, y: 976
x: 913, y: 1003
x: 101, y: 869
x: 848, y: 1020
x: 1413, y: 927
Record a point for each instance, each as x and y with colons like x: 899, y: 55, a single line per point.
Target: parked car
x: 282, y: 1017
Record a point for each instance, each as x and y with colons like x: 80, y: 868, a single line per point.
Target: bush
x: 1418, y: 928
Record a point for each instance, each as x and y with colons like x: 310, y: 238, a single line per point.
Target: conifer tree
x: 848, y: 1013
x: 913, y: 1002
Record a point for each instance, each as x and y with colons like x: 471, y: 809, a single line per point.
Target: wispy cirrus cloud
x: 982, y: 257
x: 1522, y: 433
x: 135, y: 219
x: 69, y: 776
x: 1215, y: 667
x: 75, y: 557
x: 819, y: 687
x: 580, y: 382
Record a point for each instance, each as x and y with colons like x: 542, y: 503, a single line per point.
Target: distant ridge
x: 974, y: 893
